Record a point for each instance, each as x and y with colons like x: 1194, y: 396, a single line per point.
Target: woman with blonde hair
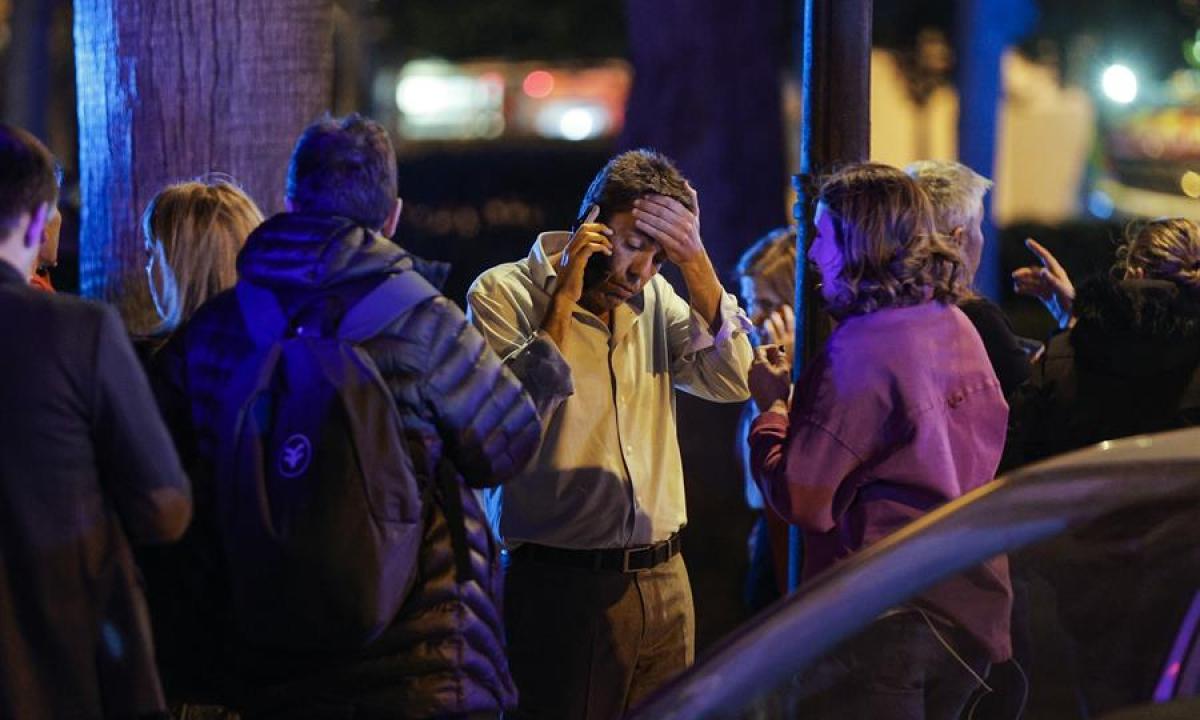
x: 193, y: 232
x: 1130, y: 363
x: 898, y: 413
x: 766, y: 272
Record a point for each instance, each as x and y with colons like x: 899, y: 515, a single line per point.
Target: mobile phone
x: 1032, y: 348
x: 597, y: 265
x: 587, y: 216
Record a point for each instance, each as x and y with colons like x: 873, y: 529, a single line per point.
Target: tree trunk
x: 169, y: 90
x: 701, y: 97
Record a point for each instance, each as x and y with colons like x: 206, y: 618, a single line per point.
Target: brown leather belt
x: 624, y: 560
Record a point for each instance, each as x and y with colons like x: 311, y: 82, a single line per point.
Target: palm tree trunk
x: 172, y: 89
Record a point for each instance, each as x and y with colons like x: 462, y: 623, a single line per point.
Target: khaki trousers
x: 588, y: 645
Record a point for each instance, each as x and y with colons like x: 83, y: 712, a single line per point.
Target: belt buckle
x: 626, y: 554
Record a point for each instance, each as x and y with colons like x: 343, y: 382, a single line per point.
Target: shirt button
x: 629, y: 449
x: 956, y: 399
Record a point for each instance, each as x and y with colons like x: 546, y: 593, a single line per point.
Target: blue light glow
x: 1100, y: 204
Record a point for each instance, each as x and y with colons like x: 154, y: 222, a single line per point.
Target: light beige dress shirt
x: 609, y: 472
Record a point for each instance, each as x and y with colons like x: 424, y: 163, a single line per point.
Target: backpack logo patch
x: 294, y: 456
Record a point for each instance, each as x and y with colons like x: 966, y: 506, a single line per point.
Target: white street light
x: 1119, y: 84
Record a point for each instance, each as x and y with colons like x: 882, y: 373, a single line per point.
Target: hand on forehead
x: 664, y: 201
x: 669, y: 223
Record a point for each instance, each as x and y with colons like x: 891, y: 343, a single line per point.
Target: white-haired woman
x: 956, y: 192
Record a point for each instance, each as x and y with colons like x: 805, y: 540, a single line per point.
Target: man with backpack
x: 339, y: 412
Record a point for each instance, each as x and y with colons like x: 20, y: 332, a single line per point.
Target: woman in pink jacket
x: 898, y: 413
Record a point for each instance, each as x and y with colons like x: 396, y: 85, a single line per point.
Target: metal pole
x: 984, y: 29
x: 835, y: 128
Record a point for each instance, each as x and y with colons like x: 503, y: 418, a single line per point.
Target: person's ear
x: 957, y: 235
x: 35, y: 233
x: 393, y: 221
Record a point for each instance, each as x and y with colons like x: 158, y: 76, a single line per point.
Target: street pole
x: 983, y: 30
x: 835, y: 129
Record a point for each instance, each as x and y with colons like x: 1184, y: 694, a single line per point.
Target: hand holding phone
x: 590, y: 242
x: 588, y: 238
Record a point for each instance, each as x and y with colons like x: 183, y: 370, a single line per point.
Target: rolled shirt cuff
x: 732, y: 322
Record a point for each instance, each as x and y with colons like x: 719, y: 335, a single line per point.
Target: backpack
x: 317, y: 503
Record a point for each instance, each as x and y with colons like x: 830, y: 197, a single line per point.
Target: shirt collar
x: 540, y: 266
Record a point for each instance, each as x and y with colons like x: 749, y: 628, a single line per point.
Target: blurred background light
x: 573, y: 120
x: 1100, y: 204
x: 577, y: 124
x: 538, y: 84
x: 438, y: 100
x: 423, y: 95
x: 487, y: 100
x: 1119, y: 84
x: 1190, y: 184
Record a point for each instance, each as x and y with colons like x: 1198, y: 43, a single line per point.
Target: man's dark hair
x: 345, y: 167
x: 631, y: 175
x: 27, y: 175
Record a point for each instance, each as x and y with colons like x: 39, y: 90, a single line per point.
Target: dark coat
x: 86, y: 466
x: 1008, y: 358
x: 444, y: 654
x: 1130, y: 365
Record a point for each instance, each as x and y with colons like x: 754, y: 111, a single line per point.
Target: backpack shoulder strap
x: 380, y: 307
x: 452, y: 506
x: 264, y: 316
x: 267, y: 324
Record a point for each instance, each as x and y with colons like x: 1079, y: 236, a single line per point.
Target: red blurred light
x: 538, y: 84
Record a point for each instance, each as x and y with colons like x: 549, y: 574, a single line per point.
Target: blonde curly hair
x: 1163, y: 249
x: 892, y: 255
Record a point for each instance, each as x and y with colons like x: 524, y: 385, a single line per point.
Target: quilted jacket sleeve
x: 484, y: 415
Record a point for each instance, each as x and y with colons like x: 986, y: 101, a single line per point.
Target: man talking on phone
x: 597, y: 602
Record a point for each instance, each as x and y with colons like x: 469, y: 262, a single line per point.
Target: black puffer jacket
x: 1130, y: 365
x: 445, y: 652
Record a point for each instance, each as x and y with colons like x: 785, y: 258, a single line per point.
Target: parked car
x: 1112, y: 530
